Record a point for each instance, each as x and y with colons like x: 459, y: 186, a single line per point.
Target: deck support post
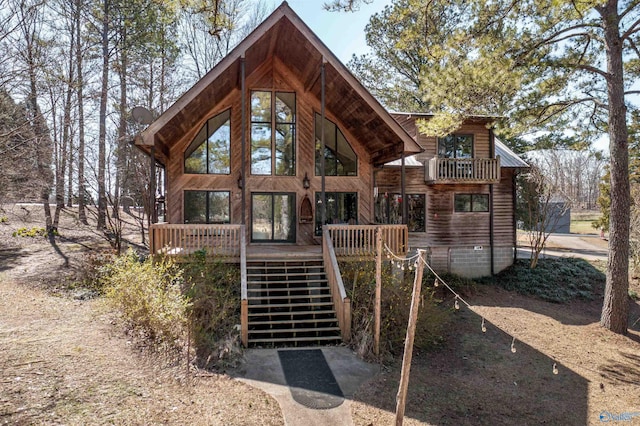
x: 153, y: 214
x: 403, y: 192
x: 243, y: 138
x: 323, y: 200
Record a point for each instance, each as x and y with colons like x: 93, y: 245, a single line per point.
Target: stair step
x: 296, y: 339
x: 249, y: 282
x: 291, y: 296
x: 291, y: 305
x: 273, y: 314
x: 281, y: 289
x: 297, y: 321
x: 270, y: 265
x: 277, y: 274
x: 293, y: 330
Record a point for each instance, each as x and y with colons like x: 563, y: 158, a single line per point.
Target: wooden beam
x: 378, y: 302
x: 401, y: 399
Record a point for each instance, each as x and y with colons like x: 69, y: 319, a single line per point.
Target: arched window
x: 339, y: 157
x: 210, y: 151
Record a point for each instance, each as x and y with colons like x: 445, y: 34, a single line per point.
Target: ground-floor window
x: 206, y: 206
x: 471, y: 202
x: 388, y: 209
x: 273, y: 217
x: 341, y: 207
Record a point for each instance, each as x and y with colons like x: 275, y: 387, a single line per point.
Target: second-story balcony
x: 462, y: 170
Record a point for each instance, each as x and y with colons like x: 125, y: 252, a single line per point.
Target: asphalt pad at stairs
x: 262, y: 369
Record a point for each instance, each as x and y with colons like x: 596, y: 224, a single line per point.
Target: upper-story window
x: 209, y: 152
x: 339, y: 157
x: 455, y: 146
x: 273, y: 125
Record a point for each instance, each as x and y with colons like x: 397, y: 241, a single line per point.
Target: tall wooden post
x: 323, y: 198
x: 401, y: 399
x: 243, y: 139
x: 378, y: 302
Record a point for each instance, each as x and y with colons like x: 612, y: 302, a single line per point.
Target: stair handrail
x: 341, y: 302
x: 244, y: 302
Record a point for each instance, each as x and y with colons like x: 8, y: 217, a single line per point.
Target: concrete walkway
x: 261, y: 369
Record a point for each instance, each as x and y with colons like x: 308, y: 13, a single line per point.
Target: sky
x: 342, y: 32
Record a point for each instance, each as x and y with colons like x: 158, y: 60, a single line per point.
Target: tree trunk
x: 82, y: 214
x: 615, y: 310
x: 102, y: 132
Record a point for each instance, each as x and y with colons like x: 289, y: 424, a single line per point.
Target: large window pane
x: 455, y: 146
x: 219, y: 152
x: 285, y: 154
x: 210, y: 150
x: 206, y: 207
x: 273, y: 217
x: 341, y: 207
x: 285, y: 107
x: 462, y: 203
x: 480, y: 203
x: 218, y: 207
x: 261, y: 149
x: 339, y: 157
x: 389, y: 209
x: 283, y: 211
x: 262, y: 219
x: 471, y: 203
x: 273, y: 134
x: 417, y: 203
x: 195, y: 207
x: 261, y: 107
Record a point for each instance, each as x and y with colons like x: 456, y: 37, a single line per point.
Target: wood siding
x: 271, y: 75
x: 444, y: 227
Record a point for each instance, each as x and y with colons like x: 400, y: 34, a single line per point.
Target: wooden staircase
x: 289, y: 303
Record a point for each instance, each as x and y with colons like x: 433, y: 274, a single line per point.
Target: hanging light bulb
x: 435, y: 283
x: 513, y: 345
x: 456, y: 304
x: 484, y: 328
x: 555, y: 368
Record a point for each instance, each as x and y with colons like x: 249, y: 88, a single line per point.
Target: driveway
x: 585, y: 246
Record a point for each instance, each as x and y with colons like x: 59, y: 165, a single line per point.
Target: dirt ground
x: 63, y: 360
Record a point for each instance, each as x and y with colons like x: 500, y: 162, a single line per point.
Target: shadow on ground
x: 477, y: 379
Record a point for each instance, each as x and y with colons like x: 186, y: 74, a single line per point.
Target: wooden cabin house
x: 280, y: 158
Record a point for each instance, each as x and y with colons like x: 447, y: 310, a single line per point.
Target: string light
x: 436, y: 283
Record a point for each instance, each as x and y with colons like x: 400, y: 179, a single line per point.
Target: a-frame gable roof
x: 284, y: 35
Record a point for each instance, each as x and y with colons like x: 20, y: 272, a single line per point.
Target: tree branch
x: 634, y: 28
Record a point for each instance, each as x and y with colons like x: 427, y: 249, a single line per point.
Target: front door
x: 273, y: 217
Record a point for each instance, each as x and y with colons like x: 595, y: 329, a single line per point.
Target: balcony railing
x: 462, y: 170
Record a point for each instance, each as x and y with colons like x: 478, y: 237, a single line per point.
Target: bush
x: 213, y: 289
x: 556, y: 280
x: 4, y: 219
x: 94, y: 269
x: 30, y: 232
x: 397, y: 287
x: 149, y: 295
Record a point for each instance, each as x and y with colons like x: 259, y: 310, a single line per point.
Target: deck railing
x: 341, y: 302
x: 178, y: 239
x: 460, y: 170
x: 360, y: 240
